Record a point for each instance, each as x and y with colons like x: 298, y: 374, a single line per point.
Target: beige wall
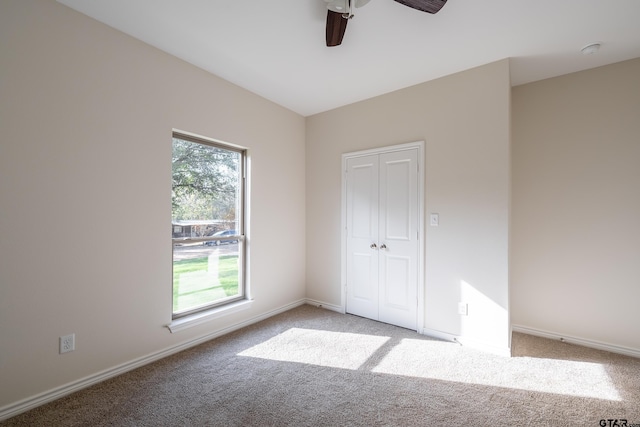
x: 86, y: 115
x: 576, y: 205
x: 464, y: 120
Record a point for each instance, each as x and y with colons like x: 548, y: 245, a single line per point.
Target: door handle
x: 383, y: 246
x: 373, y: 246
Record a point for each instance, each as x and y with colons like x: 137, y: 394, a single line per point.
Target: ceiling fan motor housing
x: 340, y: 11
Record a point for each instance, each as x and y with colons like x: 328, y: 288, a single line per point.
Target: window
x: 207, y: 224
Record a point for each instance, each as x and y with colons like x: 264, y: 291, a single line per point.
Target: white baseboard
x: 613, y: 348
x: 468, y: 342
x: 438, y: 334
x: 29, y: 403
x: 325, y: 305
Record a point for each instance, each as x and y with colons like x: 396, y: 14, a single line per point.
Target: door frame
x: 420, y: 145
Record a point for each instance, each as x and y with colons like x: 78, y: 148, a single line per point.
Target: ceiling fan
x: 340, y: 11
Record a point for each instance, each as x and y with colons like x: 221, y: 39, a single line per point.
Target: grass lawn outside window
x: 206, y: 276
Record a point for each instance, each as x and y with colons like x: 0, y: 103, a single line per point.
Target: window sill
x: 205, y: 316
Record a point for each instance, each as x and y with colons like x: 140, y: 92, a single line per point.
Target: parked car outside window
x: 222, y: 234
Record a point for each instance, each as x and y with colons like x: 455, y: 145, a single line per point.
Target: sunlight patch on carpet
x: 446, y: 362
x: 322, y: 348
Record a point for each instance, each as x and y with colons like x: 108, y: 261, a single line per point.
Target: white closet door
x: 382, y: 237
x: 398, y: 238
x: 362, y: 236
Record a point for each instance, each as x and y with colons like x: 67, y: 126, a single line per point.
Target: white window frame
x: 231, y: 305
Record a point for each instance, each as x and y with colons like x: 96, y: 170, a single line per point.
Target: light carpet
x: 313, y: 367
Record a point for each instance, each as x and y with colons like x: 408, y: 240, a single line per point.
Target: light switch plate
x: 463, y: 309
x: 434, y: 220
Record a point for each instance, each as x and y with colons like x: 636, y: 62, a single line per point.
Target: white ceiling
x: 276, y: 49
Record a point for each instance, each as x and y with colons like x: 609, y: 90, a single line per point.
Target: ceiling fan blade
x: 336, y: 26
x: 429, y: 6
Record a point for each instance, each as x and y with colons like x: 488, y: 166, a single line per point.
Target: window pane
x: 206, y: 186
x: 203, y: 274
x: 206, y: 225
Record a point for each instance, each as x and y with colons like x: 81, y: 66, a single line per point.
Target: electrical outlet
x: 67, y: 343
x: 463, y: 309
